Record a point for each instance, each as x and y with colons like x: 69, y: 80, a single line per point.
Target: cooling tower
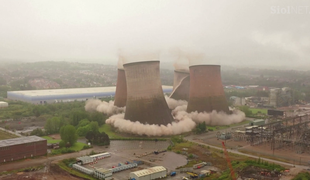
x: 181, y: 85
x: 206, y: 89
x: 121, y: 89
x: 145, y: 97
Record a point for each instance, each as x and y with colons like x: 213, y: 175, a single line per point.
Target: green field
x: 50, y: 140
x: 256, y: 110
x: 109, y: 131
x: 225, y: 127
x: 6, y: 135
x: 77, y: 146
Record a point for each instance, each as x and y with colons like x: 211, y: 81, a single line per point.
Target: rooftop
x: 51, y: 92
x: 85, y: 158
x: 148, y: 171
x: 104, y: 171
x: 21, y: 140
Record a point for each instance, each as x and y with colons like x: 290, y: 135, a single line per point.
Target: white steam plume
x: 103, y: 106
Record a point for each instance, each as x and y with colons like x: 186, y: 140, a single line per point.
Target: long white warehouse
x: 66, y: 95
x: 156, y: 172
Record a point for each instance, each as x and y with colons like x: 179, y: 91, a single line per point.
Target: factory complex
x: 21, y: 148
x: 65, y: 95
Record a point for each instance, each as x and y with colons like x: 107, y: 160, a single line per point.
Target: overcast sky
x: 232, y: 32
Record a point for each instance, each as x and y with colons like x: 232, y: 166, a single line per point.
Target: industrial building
x: 156, y: 172
x: 21, y: 148
x: 181, y: 85
x: 206, y: 89
x: 66, y: 95
x: 145, y: 97
x: 279, y: 97
x: 103, y: 173
x: 3, y: 104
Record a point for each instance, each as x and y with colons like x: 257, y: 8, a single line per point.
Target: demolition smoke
x: 103, y: 106
x: 185, y: 122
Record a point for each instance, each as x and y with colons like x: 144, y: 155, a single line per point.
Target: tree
x: 246, y: 110
x: 37, y: 132
x: 68, y: 135
x: 77, y: 116
x: 201, y: 128
x: 82, y: 131
x: 98, y: 117
x: 98, y: 138
x: 83, y: 122
x: 53, y: 125
x: 94, y: 126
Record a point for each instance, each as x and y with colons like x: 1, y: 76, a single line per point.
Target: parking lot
x: 123, y: 151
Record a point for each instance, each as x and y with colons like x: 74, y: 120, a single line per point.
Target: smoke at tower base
x: 103, y: 106
x: 185, y: 122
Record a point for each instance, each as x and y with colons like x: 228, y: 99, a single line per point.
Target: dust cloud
x: 184, y: 122
x: 127, y: 126
x: 131, y: 55
x: 103, y: 106
x: 181, y: 61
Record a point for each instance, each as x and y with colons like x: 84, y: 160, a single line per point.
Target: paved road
x: 248, y: 155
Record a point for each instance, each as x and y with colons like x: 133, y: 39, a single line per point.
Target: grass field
x: 50, y: 140
x: 225, y: 127
x: 109, y: 131
x: 76, y: 147
x: 255, y: 111
x: 6, y: 135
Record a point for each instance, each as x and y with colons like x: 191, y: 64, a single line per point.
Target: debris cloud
x: 184, y: 122
x: 103, y: 106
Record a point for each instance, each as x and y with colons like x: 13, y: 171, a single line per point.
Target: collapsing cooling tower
x: 145, y: 97
x: 121, y: 89
x: 181, y: 85
x: 206, y: 89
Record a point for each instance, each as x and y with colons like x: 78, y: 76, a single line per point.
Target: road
x: 189, y: 138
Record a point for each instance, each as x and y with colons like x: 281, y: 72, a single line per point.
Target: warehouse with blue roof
x: 66, y: 95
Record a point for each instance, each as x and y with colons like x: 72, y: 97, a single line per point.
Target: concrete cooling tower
x: 145, y: 97
x: 206, y: 89
x: 181, y: 85
x: 121, y: 89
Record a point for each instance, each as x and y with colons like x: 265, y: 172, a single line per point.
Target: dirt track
x: 53, y: 172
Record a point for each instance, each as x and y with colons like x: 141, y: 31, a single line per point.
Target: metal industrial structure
x: 121, y: 89
x: 145, y: 98
x: 206, y: 89
x: 181, y: 85
x: 66, y: 95
x: 21, y: 148
x: 156, y: 172
x: 292, y: 133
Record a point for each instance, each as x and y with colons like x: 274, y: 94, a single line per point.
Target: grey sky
x: 227, y: 32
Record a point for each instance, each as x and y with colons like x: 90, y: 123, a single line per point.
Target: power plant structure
x: 145, y: 97
x: 181, y: 85
x: 206, y: 89
x: 121, y: 89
